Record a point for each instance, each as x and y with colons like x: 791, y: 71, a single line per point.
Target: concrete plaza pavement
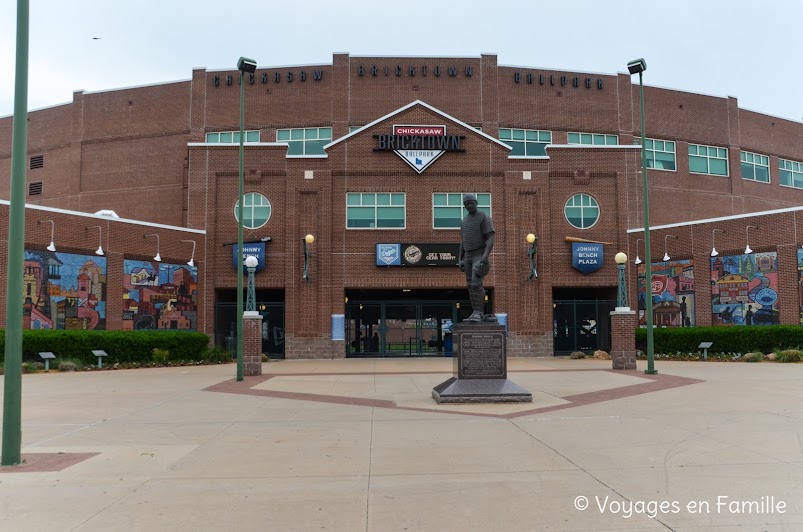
x: 359, y: 445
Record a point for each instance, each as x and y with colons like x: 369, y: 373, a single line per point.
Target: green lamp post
x: 638, y: 66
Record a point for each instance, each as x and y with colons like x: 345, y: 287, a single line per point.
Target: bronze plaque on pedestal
x: 480, y: 351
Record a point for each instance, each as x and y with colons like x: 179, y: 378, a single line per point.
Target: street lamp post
x: 243, y: 65
x: 533, y: 241
x: 251, y: 263
x: 639, y: 66
x: 12, y: 390
x: 621, y: 293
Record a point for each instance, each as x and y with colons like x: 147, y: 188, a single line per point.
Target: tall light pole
x: 639, y: 66
x: 12, y: 390
x: 243, y: 65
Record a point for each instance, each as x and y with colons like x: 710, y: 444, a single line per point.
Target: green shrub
x: 577, y: 354
x: 28, y: 367
x: 121, y: 346
x: 67, y: 365
x: 753, y: 357
x: 736, y: 339
x: 161, y: 356
x: 265, y: 358
x: 788, y: 355
x: 216, y: 355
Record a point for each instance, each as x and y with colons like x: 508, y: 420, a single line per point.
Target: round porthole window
x: 581, y: 211
x: 256, y: 210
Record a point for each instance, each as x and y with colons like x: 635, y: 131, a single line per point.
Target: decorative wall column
x: 623, y: 339
x: 252, y: 344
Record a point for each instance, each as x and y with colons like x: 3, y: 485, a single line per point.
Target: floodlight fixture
x: 637, y: 66
x: 246, y: 65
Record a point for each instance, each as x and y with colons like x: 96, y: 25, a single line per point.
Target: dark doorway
x: 581, y: 319
x: 269, y: 303
x: 404, y: 323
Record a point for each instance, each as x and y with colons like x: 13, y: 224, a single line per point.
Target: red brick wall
x: 127, y: 150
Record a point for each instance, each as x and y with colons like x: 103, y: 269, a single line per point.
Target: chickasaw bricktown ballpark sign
x: 419, y: 146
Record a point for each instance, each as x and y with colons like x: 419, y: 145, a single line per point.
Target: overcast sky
x: 750, y: 50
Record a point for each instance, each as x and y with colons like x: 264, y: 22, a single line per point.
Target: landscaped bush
x: 577, y: 354
x: 788, y: 355
x: 736, y: 339
x: 753, y: 357
x: 121, y: 346
x: 67, y: 365
x: 161, y: 356
x: 216, y: 355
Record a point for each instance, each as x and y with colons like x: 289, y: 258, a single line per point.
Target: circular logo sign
x: 412, y: 254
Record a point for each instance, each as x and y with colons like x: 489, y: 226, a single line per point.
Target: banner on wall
x: 418, y: 254
x: 255, y: 249
x: 587, y: 257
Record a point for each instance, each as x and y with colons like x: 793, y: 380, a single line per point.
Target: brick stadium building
x: 370, y: 156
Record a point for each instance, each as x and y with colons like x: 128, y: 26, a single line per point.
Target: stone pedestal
x: 252, y: 343
x: 480, y: 368
x: 623, y: 338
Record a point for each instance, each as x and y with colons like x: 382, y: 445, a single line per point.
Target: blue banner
x: 338, y: 327
x: 388, y: 254
x: 256, y: 249
x: 587, y: 257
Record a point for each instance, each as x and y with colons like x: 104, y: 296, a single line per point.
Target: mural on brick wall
x: 744, y: 289
x: 63, y: 291
x: 159, y: 296
x: 672, y: 294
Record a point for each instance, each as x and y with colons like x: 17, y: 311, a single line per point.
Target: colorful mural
x: 744, y: 289
x: 63, y: 291
x: 672, y: 294
x: 159, y: 296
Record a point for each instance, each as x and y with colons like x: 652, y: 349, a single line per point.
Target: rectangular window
x: 709, y: 160
x: 595, y: 139
x: 305, y: 141
x: 526, y: 142
x: 448, y: 210
x: 232, y: 137
x: 755, y: 167
x: 352, y: 129
x: 660, y: 154
x: 375, y: 210
x: 791, y: 173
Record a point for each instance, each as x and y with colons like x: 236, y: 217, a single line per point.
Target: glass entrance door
x: 400, y: 328
x: 362, y: 329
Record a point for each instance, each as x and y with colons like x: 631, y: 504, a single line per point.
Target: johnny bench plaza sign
x: 587, y: 256
x: 419, y: 146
